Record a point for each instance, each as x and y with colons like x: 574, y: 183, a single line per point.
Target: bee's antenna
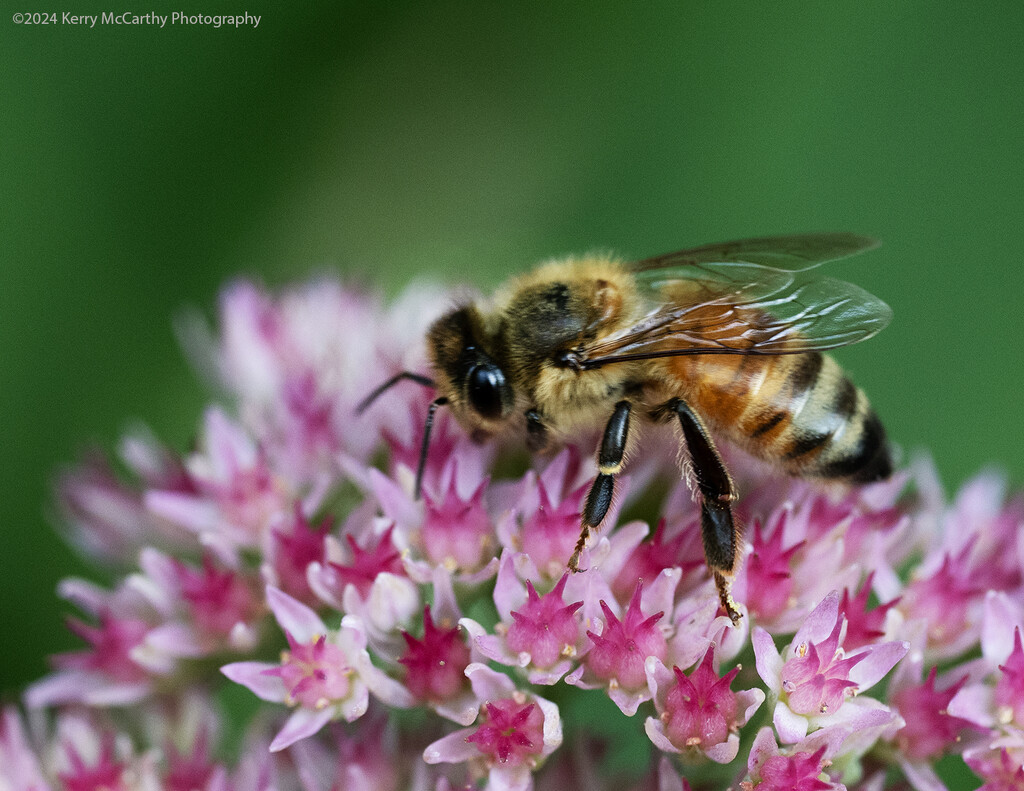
x: 427, y: 427
x: 426, y: 381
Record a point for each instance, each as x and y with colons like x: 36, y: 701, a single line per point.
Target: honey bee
x: 726, y: 339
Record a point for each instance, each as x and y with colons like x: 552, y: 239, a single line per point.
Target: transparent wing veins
x: 740, y: 306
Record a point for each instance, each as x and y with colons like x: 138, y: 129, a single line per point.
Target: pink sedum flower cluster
x: 388, y: 642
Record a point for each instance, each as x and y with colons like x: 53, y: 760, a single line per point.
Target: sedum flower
x: 515, y: 732
x: 105, y: 517
x: 619, y: 654
x: 21, y: 767
x: 457, y: 531
x: 698, y: 712
x: 299, y: 504
x: 660, y: 551
x: 993, y: 702
x: 435, y: 665
x: 545, y: 627
x: 544, y: 522
x: 116, y: 668
x: 294, y: 545
x: 813, y: 677
x: 324, y: 675
x: 801, y: 768
x: 543, y: 635
x: 767, y: 573
x: 1000, y: 768
x: 866, y: 625
x: 237, y: 495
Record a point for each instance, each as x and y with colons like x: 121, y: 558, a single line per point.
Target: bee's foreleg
x: 536, y: 432
x: 609, y: 464
x: 717, y: 492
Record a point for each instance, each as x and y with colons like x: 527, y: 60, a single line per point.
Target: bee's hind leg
x: 718, y: 530
x: 609, y: 464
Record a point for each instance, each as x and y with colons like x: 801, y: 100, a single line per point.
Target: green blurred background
x: 142, y: 167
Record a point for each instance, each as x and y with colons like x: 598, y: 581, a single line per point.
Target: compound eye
x: 485, y: 383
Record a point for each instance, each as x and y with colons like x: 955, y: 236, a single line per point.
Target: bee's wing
x: 791, y: 253
x: 745, y: 307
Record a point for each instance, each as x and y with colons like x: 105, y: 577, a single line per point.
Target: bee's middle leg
x: 609, y: 464
x: 719, y: 533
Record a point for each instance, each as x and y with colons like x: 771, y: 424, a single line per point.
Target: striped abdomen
x: 799, y: 411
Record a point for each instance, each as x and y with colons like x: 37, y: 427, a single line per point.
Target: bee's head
x: 472, y: 380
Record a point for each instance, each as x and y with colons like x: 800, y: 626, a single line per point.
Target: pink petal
x: 253, y: 675
x: 446, y: 606
x: 57, y: 688
x: 302, y: 723
x: 659, y: 680
x: 921, y: 776
x: 175, y: 639
x: 321, y: 582
x: 22, y: 768
x: 451, y: 749
x: 668, y: 778
x: 227, y: 445
x: 489, y: 684
x: 724, y: 752
x: 90, y: 597
x: 655, y: 730
x: 854, y: 727
x: 463, y: 710
x: 628, y: 702
x: 117, y: 693
x: 509, y: 591
x: 880, y: 660
x: 480, y: 576
x: 767, y: 659
x: 386, y: 688
x: 660, y: 594
x: 763, y: 748
x: 820, y: 622
x: 352, y: 637
x: 75, y: 686
x: 295, y: 617
x: 622, y: 543
x: 546, y: 678
x: 394, y: 502
x: 1001, y: 616
x: 182, y: 509
x: 974, y: 704
x: 748, y: 701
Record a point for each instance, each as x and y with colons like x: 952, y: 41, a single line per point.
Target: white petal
x: 552, y: 724
x: 452, y: 749
x: 880, y: 660
x: 489, y: 684
x: 302, y: 723
x: 655, y: 730
x: 790, y: 727
x: 252, y: 675
x: 724, y: 752
x: 295, y: 617
x: 820, y: 623
x: 767, y: 659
